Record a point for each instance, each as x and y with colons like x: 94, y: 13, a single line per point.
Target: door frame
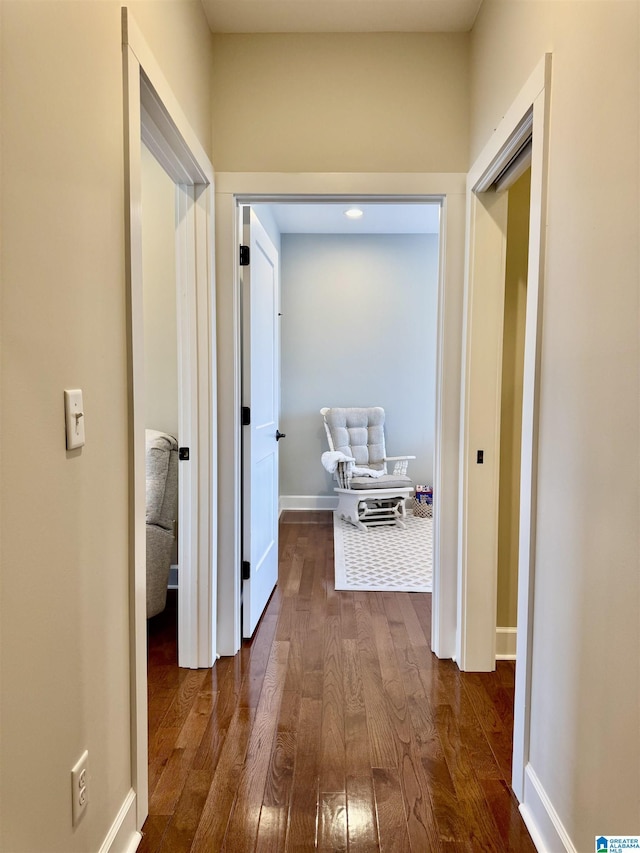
x: 235, y: 188
x: 484, y: 306
x: 152, y: 113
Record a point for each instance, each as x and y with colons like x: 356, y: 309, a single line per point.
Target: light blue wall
x: 358, y: 329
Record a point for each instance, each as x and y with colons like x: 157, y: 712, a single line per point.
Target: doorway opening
x: 357, y: 320
x: 511, y: 416
x: 518, y: 146
x: 152, y: 116
x: 514, y: 326
x: 162, y: 390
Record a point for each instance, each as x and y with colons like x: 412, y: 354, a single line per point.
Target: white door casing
x: 152, y: 113
x: 260, y: 395
x: 449, y: 190
x: 477, y: 576
x: 477, y: 592
x: 187, y: 427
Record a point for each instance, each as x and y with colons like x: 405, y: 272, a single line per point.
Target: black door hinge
x: 244, y: 256
x: 246, y: 570
x: 246, y: 416
x: 183, y: 454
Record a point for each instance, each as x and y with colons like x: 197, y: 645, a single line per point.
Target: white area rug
x: 384, y: 558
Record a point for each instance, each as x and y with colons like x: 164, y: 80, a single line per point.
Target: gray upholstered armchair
x: 162, y: 504
x: 368, y: 495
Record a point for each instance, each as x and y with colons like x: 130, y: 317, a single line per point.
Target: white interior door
x: 260, y: 396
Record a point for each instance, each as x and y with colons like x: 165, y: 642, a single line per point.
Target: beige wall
x: 64, y: 641
x: 515, y: 305
x: 178, y: 34
x: 585, y: 717
x: 315, y: 103
x: 376, y: 102
x: 159, y: 281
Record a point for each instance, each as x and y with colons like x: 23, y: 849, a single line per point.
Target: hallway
x: 334, y: 729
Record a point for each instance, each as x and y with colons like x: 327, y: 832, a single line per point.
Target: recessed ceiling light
x: 354, y: 213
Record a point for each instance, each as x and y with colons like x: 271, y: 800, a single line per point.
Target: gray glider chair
x: 162, y: 505
x: 368, y: 495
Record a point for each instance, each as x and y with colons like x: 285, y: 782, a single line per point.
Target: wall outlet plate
x: 79, y: 788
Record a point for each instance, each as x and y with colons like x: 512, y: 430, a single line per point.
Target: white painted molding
x: 188, y: 403
x: 444, y: 624
x: 298, y: 503
x: 477, y: 578
x: 538, y: 841
x: 480, y: 416
x: 135, y: 359
x: 498, y: 145
x: 529, y: 445
x: 123, y: 836
x: 511, y: 151
x: 506, y: 643
x: 160, y: 104
x: 183, y: 135
x: 253, y: 187
x: 542, y: 820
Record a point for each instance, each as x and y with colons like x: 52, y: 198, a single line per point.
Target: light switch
x: 74, y: 417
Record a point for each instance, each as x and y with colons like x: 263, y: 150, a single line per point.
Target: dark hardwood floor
x: 334, y: 729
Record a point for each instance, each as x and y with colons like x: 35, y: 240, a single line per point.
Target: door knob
x: 280, y: 435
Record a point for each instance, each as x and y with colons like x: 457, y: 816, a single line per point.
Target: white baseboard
x: 307, y: 502
x: 123, y: 837
x: 506, y: 643
x: 542, y: 820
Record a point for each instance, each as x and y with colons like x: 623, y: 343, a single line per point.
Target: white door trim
x: 188, y: 591
x: 476, y: 639
x: 151, y: 109
x: 484, y: 313
x: 449, y: 188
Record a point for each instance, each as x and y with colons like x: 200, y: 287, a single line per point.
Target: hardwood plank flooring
x: 334, y: 729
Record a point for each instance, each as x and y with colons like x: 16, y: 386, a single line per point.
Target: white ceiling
x: 340, y: 16
x: 329, y: 218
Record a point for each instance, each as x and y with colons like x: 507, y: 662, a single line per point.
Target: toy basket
x: 423, y: 502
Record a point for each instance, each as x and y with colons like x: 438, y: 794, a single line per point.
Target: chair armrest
x: 344, y: 473
x: 340, y: 465
x: 401, y: 464
x: 332, y: 458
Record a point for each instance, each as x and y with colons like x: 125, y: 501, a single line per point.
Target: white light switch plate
x: 74, y: 418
